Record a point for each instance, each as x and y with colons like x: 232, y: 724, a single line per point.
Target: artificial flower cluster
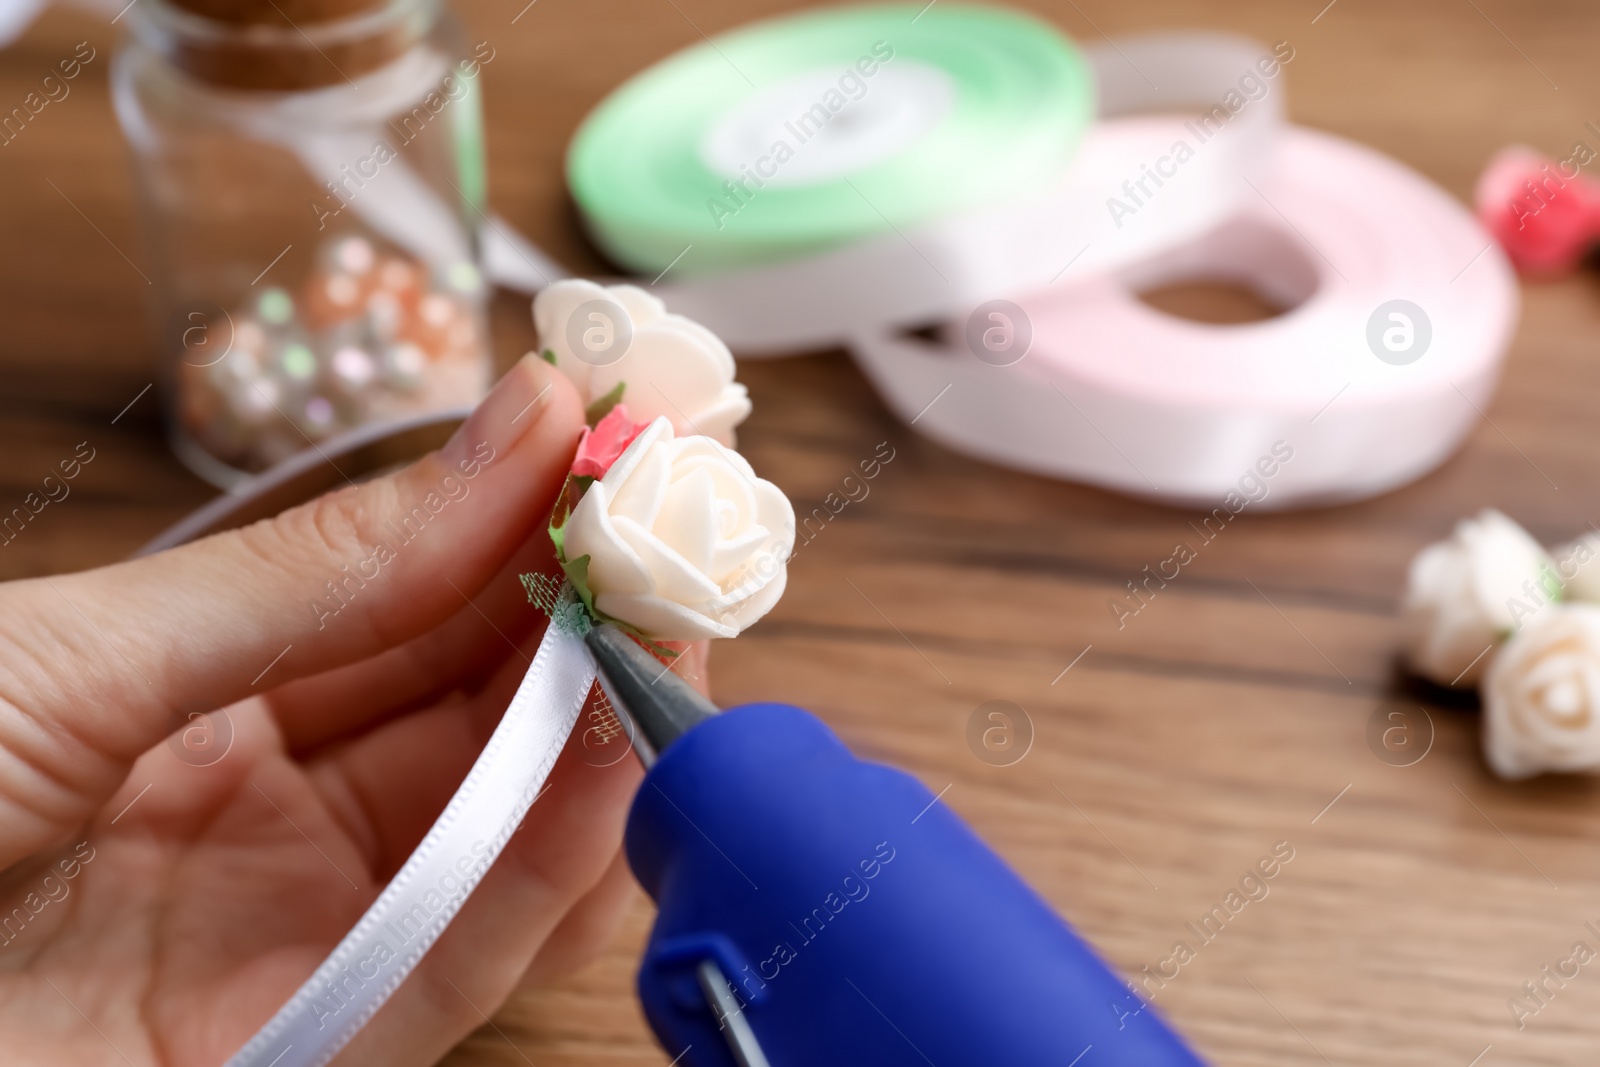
x: 663, y: 529
x: 1491, y: 607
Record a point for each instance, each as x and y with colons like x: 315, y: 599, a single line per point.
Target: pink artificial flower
x: 599, y: 447
x: 1546, y: 215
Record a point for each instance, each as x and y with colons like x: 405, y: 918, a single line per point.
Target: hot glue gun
x: 817, y: 910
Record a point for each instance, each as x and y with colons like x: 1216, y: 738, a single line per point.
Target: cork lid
x: 283, y: 45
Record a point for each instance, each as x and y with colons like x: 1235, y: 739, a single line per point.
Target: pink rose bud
x: 599, y: 448
x: 1545, y: 218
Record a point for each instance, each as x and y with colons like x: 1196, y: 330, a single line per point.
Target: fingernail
x: 502, y: 417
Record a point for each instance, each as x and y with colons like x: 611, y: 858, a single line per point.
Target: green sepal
x: 602, y: 406
x: 578, y: 574
x: 548, y: 356
x: 1551, y: 583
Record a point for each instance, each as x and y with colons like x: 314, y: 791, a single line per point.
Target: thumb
x: 109, y: 660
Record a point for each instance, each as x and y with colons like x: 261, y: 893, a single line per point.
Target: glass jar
x: 311, y: 191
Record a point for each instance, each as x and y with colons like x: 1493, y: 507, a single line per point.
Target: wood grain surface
x: 1229, y: 715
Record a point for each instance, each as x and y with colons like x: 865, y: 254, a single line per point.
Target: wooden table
x: 1231, y: 714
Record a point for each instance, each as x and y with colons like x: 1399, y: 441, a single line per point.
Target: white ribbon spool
x: 1117, y: 394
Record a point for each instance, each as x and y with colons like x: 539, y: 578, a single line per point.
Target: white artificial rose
x: 1541, y: 699
x: 1579, y: 567
x: 1459, y: 598
x: 669, y: 366
x: 684, y: 541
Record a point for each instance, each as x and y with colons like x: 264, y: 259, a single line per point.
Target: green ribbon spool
x: 807, y: 132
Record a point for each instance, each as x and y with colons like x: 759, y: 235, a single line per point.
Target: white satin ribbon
x: 408, y: 917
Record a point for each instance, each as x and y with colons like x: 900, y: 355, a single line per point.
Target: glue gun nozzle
x: 661, y: 705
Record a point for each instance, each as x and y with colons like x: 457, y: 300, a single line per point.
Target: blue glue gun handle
x: 858, y: 920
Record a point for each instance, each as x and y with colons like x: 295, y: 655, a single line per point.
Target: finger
x: 99, y: 666
x: 491, y: 630
x: 391, y: 784
x: 479, y: 639
x: 568, y: 841
x: 587, y: 928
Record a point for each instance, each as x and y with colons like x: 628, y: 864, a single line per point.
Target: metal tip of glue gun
x: 730, y: 1016
x: 661, y: 706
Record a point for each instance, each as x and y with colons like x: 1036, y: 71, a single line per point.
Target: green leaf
x: 549, y: 357
x: 602, y: 406
x: 659, y: 650
x: 574, y: 485
x: 1551, y: 582
x: 578, y: 574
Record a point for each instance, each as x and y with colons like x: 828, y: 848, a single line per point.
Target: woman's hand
x: 165, y: 892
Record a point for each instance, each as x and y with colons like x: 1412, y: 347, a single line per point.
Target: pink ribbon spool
x: 1118, y: 394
